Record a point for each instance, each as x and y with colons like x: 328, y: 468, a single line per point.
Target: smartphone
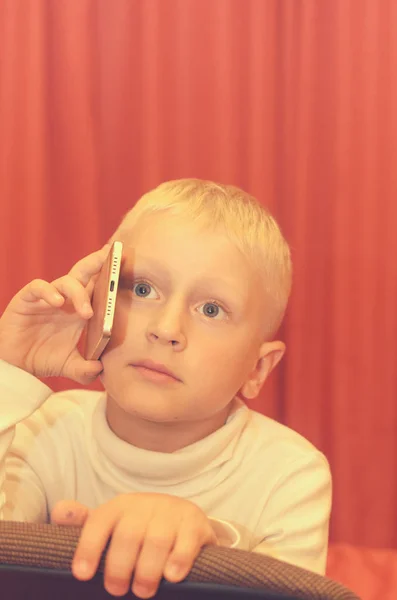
x: 99, y: 327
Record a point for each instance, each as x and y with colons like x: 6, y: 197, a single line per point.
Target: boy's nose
x: 167, y: 329
x: 164, y: 339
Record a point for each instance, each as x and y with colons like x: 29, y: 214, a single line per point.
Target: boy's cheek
x: 126, y: 329
x: 120, y: 323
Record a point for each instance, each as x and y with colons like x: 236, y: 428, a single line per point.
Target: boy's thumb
x: 69, y: 512
x: 83, y: 371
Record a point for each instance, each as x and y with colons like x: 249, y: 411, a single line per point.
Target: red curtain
x: 294, y: 100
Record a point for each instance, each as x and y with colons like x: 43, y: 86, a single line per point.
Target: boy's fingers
x: 122, y: 554
x: 81, y: 370
x: 83, y: 273
x: 38, y: 289
x: 149, y: 569
x: 71, y: 286
x: 88, y: 266
x: 93, y: 539
x: 72, y: 289
x: 69, y: 512
x: 91, y: 285
x: 185, y: 551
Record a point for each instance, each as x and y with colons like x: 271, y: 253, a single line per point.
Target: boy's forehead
x: 158, y: 235
x: 170, y: 243
x: 164, y: 224
x: 161, y: 255
x: 166, y: 266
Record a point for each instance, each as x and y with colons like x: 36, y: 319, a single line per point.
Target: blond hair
x: 244, y: 220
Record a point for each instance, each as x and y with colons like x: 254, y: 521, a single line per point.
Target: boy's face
x: 188, y: 299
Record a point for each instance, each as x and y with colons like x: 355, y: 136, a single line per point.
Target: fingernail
x: 116, y: 590
x: 142, y: 591
x: 173, y: 571
x: 87, y: 309
x: 82, y: 568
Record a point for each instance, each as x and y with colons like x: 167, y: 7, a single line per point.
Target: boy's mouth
x: 147, y: 366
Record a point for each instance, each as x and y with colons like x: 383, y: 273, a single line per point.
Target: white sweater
x: 263, y: 484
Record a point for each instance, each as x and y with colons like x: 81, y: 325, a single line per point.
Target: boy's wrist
x: 12, y: 358
x: 22, y: 392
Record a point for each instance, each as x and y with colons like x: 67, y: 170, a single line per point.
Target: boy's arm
x: 21, y: 495
x: 39, y: 333
x: 295, y: 521
x: 294, y: 524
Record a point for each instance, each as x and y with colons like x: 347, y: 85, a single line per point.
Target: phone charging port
x: 111, y: 286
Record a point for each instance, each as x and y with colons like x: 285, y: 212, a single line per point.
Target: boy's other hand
x: 42, y: 325
x: 152, y: 536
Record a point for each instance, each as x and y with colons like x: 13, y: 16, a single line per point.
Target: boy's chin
x: 151, y: 407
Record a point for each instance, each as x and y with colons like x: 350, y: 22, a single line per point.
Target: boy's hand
x: 41, y: 326
x: 152, y: 536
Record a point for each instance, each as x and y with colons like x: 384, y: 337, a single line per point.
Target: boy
x: 168, y: 458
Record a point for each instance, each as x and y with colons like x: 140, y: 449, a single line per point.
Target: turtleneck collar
x: 125, y: 466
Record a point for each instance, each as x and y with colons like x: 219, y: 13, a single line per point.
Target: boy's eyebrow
x: 143, y: 263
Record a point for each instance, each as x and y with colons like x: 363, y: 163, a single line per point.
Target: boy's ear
x: 270, y: 354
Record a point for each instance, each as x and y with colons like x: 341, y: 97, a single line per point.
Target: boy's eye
x: 212, y: 310
x: 142, y: 289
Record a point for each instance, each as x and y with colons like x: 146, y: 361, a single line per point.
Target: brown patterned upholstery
x: 27, y: 548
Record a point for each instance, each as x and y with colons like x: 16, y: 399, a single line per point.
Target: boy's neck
x: 160, y: 437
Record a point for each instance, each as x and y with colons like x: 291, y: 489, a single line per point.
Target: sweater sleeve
x: 22, y: 496
x: 295, y: 520
x: 293, y: 525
